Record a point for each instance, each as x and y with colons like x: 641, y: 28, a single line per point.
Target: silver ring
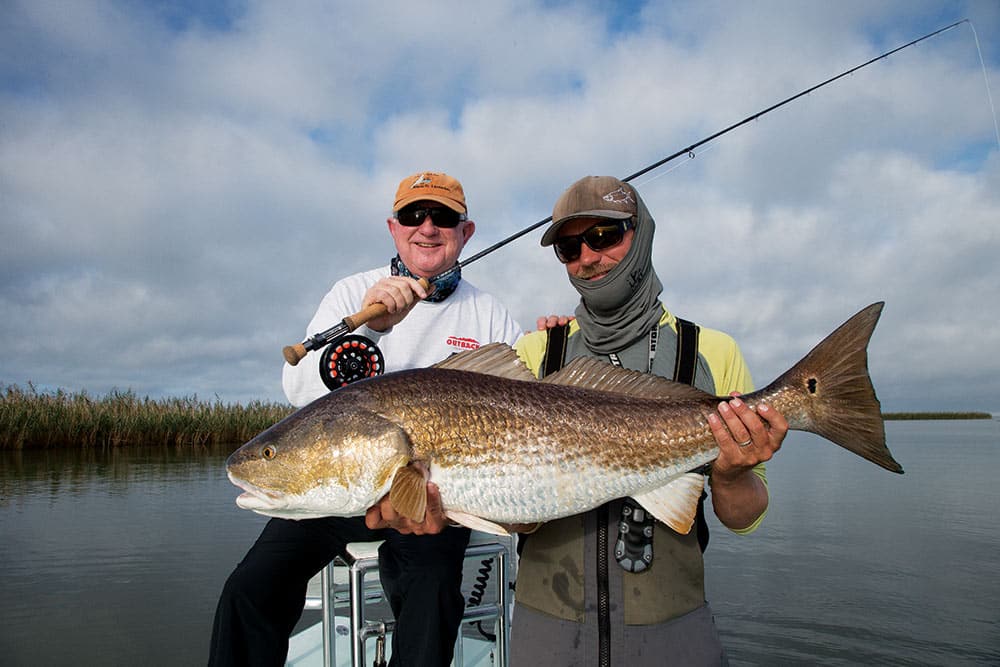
x: 741, y: 445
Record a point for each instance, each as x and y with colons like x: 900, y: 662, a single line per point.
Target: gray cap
x: 592, y: 197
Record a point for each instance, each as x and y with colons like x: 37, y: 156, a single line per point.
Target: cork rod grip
x: 295, y: 353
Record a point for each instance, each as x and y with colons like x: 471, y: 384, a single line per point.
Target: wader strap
x: 684, y: 370
x: 555, y: 349
x: 687, y: 352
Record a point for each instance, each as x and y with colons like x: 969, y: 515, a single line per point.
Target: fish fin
x: 833, y: 384
x: 408, y: 493
x: 497, y: 359
x: 676, y: 503
x: 592, y: 373
x: 477, y: 523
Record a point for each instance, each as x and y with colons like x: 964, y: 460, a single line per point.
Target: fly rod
x: 294, y: 353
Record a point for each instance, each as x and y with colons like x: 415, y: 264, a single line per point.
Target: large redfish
x: 505, y: 448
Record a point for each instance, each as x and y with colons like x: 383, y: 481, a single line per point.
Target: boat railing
x: 346, y: 582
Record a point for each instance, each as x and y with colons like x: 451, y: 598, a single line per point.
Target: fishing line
x: 691, y: 156
x: 986, y: 80
x: 982, y: 62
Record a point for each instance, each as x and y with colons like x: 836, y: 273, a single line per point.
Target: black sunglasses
x: 600, y: 236
x: 414, y: 216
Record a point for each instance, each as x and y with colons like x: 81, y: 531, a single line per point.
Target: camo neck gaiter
x: 624, y: 305
x: 444, y: 284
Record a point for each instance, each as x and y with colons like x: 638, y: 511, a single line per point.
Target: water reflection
x: 86, y: 465
x: 115, y: 553
x: 118, y: 555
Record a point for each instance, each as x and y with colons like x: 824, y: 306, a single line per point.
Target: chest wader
x: 634, y: 546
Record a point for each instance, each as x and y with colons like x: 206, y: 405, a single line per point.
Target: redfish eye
x: 269, y: 452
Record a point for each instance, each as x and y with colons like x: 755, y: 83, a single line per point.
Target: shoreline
x: 923, y: 416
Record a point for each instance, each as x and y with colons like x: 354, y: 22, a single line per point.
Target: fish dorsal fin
x: 408, y: 493
x: 593, y: 373
x: 497, y: 359
x: 676, y: 503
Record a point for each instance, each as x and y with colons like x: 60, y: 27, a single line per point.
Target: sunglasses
x: 444, y: 217
x: 599, y: 237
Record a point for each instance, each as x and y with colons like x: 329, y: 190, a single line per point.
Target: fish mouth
x: 254, y: 497
x: 272, y: 503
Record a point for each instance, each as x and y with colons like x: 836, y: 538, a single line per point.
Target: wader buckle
x: 634, y: 548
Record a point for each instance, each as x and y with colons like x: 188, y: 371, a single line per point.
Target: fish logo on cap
x: 619, y: 196
x: 422, y: 179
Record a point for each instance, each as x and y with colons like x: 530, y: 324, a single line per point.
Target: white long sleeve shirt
x: 468, y: 318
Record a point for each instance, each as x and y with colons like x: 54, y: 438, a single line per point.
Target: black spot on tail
x: 812, y: 385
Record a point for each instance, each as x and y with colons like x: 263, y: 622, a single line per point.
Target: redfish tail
x: 830, y: 393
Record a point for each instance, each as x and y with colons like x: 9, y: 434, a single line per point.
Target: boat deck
x: 473, y: 648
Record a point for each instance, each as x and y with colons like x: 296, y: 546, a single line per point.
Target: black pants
x: 264, y: 596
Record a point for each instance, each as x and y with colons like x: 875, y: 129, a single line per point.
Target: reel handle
x: 295, y: 353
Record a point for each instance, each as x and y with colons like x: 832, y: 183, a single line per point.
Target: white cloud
x: 176, y: 200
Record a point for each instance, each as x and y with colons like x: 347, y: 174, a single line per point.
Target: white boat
x: 357, y: 624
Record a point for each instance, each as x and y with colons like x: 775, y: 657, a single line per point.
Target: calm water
x: 858, y: 566
x: 118, y: 557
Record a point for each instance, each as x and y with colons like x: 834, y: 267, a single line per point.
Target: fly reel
x: 349, y: 359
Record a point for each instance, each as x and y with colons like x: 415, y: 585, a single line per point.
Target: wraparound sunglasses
x: 600, y: 236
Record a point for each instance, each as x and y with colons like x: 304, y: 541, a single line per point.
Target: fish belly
x: 541, y: 492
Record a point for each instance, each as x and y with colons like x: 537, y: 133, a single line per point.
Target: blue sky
x: 181, y: 182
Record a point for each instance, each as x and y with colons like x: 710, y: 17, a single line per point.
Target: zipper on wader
x: 603, y: 594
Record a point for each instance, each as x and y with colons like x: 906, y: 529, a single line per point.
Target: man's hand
x: 745, y: 439
x: 382, y: 515
x: 398, y: 294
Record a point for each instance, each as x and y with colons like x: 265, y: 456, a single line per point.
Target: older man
x: 421, y: 574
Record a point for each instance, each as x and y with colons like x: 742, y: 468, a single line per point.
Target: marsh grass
x: 30, y: 419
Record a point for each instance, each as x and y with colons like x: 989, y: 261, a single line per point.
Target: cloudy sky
x: 181, y: 182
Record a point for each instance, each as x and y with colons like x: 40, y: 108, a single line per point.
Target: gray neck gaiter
x: 624, y: 305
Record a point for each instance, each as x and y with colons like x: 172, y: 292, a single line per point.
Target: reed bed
x: 30, y: 419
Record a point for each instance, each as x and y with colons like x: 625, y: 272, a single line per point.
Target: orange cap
x: 430, y: 186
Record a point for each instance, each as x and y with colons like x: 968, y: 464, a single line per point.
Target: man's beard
x: 588, y: 272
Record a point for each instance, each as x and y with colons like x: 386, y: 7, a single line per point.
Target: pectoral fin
x: 676, y: 503
x: 408, y: 493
